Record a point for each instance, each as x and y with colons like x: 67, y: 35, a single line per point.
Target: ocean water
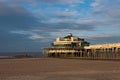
x: 12, y: 54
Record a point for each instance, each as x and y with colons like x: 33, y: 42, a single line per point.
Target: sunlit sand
x: 58, y: 69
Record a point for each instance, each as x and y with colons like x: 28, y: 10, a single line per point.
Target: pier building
x: 74, y: 47
x: 68, y: 46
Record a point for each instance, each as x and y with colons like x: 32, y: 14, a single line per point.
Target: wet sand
x: 58, y: 69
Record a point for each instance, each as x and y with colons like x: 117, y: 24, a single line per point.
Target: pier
x: 74, y: 47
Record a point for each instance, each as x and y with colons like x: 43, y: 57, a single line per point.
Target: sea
x: 13, y: 54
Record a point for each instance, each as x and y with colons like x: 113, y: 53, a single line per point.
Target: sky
x: 29, y: 25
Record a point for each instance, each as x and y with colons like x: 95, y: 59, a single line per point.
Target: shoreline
x: 70, y: 58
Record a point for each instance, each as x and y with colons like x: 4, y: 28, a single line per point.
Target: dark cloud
x: 18, y: 43
x: 15, y: 18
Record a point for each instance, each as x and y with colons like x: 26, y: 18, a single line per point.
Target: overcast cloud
x: 33, y: 24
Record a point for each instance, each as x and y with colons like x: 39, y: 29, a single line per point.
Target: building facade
x: 68, y: 46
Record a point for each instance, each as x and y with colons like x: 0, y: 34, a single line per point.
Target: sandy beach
x: 58, y: 69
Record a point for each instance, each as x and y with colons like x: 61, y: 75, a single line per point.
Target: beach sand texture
x: 58, y: 69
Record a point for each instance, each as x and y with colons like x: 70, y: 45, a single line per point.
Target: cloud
x: 108, y: 8
x: 15, y: 17
x: 107, y: 12
x: 18, y: 43
x: 67, y: 14
x: 39, y: 22
x: 58, y: 1
x: 102, y: 40
x: 30, y: 34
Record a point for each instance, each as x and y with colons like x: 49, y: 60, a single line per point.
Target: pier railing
x: 94, y: 54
